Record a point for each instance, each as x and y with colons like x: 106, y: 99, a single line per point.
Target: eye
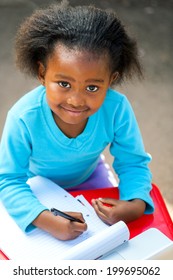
x: 92, y: 88
x: 64, y: 84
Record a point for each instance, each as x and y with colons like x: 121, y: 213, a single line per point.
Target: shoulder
x: 116, y: 109
x: 31, y: 101
x: 114, y: 100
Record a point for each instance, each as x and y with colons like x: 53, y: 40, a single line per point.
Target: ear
x: 114, y: 77
x: 41, y: 73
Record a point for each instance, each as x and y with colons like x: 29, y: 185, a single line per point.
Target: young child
x: 59, y: 129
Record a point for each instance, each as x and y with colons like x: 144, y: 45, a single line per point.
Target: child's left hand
x: 126, y: 211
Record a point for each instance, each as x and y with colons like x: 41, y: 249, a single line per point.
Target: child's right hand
x: 60, y: 227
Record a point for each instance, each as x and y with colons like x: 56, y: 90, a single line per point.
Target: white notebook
x: 97, y: 241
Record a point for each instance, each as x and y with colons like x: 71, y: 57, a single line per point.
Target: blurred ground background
x: 151, y: 22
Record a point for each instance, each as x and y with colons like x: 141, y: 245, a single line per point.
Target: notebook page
x: 39, y: 244
x: 85, y: 202
x: 52, y: 195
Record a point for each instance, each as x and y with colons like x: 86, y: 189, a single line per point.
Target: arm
x: 16, y: 195
x: 131, y: 165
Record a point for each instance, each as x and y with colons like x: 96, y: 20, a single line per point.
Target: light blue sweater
x: 32, y: 144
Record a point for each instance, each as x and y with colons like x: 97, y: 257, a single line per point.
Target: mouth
x: 74, y: 111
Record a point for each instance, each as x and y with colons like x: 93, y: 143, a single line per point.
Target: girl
x: 59, y: 129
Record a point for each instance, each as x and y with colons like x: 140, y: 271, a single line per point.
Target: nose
x: 76, y: 99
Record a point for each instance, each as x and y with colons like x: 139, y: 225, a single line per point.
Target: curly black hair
x: 85, y: 27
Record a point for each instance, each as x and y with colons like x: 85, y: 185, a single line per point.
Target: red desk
x: 160, y: 219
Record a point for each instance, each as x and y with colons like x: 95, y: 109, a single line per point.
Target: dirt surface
x: 151, y: 22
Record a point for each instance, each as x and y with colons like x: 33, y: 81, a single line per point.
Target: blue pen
x: 57, y: 212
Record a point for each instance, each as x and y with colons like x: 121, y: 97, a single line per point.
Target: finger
x: 109, y: 201
x: 102, y: 208
x: 105, y: 213
x: 77, y: 215
x: 98, y: 212
x: 77, y: 233
x: 80, y: 227
x: 74, y: 235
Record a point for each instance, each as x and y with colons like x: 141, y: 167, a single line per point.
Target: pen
x: 57, y: 212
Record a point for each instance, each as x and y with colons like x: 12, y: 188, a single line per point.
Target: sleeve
x: 130, y: 159
x: 15, y: 193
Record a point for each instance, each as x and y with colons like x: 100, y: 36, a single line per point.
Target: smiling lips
x: 73, y: 111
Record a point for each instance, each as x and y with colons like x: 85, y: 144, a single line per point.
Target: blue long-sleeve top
x: 32, y: 144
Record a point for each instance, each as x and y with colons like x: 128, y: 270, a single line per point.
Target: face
x: 76, y: 83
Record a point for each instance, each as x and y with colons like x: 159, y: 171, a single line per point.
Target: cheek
x: 53, y: 96
x: 97, y: 102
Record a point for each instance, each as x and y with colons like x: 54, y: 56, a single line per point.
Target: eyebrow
x: 95, y: 81
x: 73, y: 80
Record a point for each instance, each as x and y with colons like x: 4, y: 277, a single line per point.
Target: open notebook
x: 96, y: 242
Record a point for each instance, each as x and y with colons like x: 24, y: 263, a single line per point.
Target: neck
x: 70, y: 130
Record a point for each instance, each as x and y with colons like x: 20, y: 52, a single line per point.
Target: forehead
x: 64, y: 55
